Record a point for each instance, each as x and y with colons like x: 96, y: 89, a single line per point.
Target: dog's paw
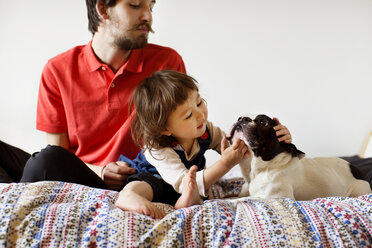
x: 245, y: 190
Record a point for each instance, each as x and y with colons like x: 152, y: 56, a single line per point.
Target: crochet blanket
x: 57, y: 214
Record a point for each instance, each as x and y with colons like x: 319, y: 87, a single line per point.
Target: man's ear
x: 166, y: 133
x: 102, y: 10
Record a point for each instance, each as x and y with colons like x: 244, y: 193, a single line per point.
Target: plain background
x: 307, y: 62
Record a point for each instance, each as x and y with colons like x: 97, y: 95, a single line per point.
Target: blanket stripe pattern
x: 57, y: 214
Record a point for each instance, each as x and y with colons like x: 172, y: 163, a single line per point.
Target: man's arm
x: 58, y: 139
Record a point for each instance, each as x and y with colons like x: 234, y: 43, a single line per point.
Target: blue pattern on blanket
x: 56, y: 214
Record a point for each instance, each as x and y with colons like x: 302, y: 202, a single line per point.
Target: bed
x: 58, y: 214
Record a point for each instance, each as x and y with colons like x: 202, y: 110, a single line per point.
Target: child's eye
x: 189, y: 116
x: 134, y: 6
x: 200, y: 103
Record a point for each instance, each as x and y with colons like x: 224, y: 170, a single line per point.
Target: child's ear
x: 166, y: 133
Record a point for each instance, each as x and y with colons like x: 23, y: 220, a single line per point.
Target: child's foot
x: 131, y: 201
x: 190, y: 194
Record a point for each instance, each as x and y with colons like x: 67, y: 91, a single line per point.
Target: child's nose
x: 200, y: 115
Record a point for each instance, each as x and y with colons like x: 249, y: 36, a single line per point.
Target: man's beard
x: 126, y: 42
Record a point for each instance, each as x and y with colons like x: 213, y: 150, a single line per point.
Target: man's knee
x: 42, y: 165
x: 55, y: 163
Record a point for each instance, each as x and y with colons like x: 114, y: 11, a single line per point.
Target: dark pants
x: 364, y: 165
x: 163, y: 192
x: 52, y: 163
x: 12, y: 162
x: 55, y: 163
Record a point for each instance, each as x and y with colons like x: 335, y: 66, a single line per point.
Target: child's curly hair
x: 154, y: 99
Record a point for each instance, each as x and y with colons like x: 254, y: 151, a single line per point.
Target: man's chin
x: 139, y: 43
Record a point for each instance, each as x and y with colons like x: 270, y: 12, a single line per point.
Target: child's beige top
x: 170, y: 166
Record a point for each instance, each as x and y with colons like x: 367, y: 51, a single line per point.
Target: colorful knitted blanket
x: 57, y: 214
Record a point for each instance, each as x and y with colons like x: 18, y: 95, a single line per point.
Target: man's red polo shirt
x: 85, y: 98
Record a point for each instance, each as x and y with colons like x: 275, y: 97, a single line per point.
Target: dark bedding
x: 364, y: 165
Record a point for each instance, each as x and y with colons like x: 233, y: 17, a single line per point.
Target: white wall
x: 308, y: 62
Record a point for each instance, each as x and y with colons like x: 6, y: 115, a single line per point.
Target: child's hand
x: 235, y: 153
x: 282, y: 132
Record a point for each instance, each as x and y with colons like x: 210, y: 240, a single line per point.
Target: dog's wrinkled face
x: 260, y: 136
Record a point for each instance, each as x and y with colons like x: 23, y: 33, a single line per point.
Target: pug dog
x: 278, y: 169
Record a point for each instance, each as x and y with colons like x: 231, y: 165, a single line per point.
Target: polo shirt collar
x: 134, y: 63
x: 92, y: 62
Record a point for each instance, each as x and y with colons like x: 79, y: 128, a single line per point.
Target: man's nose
x: 146, y: 14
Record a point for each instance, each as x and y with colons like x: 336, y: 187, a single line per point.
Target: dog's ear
x: 268, y: 150
x: 292, y: 149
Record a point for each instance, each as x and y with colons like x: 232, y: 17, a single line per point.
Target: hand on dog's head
x: 260, y: 136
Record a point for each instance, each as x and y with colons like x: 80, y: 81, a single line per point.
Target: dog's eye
x: 264, y: 123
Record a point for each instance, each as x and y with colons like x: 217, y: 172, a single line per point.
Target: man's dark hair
x: 93, y: 16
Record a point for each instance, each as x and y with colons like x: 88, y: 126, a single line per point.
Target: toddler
x: 171, y: 126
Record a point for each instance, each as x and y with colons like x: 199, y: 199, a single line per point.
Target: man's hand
x: 115, y: 174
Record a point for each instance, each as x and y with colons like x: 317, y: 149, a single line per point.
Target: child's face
x: 189, y: 119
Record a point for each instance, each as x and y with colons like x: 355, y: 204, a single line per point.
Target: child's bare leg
x: 190, y: 194
x: 136, y: 196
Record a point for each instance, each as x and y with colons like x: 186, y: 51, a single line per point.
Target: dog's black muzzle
x: 239, y: 126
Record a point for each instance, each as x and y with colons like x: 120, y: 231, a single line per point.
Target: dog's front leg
x: 245, y: 168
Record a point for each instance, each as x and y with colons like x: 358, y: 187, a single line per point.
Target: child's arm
x: 230, y: 157
x: 172, y: 169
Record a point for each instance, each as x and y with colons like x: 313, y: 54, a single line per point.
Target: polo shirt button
x: 103, y: 68
x: 112, y: 85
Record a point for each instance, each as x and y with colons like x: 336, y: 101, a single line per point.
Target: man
x: 84, y: 94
